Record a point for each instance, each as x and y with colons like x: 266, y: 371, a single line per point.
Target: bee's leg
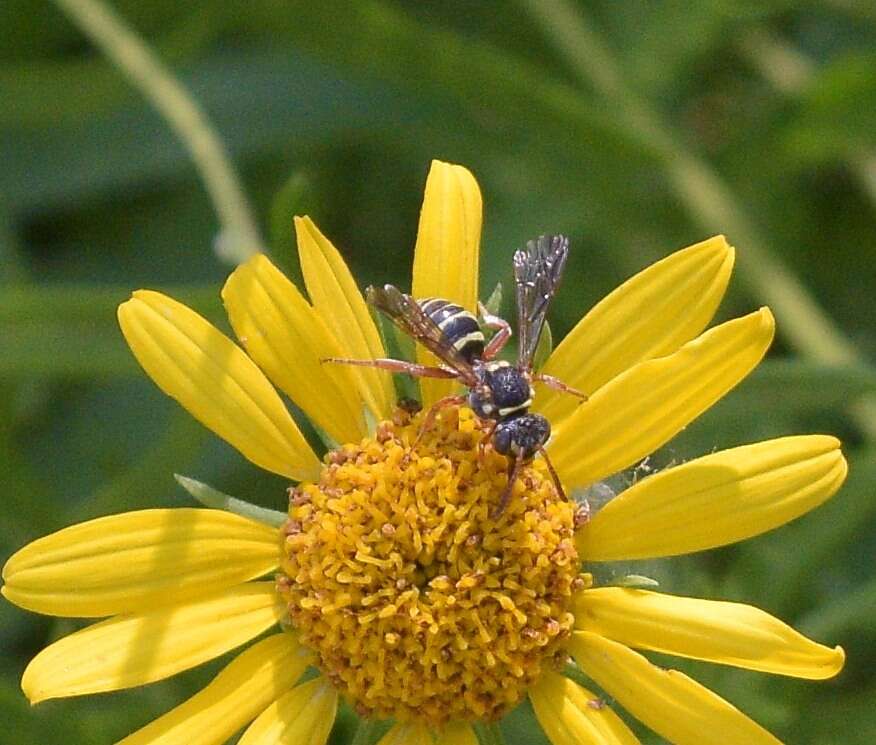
x: 514, y: 465
x: 558, y: 385
x: 429, y: 419
x: 554, y: 475
x: 485, y: 438
x: 398, y: 366
x: 502, y: 335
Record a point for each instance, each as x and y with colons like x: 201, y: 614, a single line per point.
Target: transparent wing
x: 407, y: 314
x: 538, y: 270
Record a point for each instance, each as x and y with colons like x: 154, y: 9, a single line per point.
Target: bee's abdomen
x: 460, y: 327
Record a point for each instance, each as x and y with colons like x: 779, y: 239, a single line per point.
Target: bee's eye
x: 502, y: 440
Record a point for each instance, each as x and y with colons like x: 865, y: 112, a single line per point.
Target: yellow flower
x: 393, y: 581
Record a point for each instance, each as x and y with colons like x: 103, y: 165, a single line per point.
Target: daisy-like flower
x: 389, y: 577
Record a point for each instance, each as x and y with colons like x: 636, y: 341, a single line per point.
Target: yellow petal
x: 643, y: 407
x: 670, y: 703
x: 251, y: 682
x: 303, y: 715
x: 123, y: 563
x: 726, y: 633
x: 337, y: 299
x: 650, y: 315
x: 288, y: 339
x: 216, y: 382
x: 457, y: 733
x: 141, y: 648
x: 572, y: 715
x: 446, y: 255
x: 407, y: 734
x: 715, y: 500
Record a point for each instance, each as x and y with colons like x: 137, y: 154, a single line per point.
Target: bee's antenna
x: 554, y: 475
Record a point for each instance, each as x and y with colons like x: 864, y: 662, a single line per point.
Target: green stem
x: 707, y: 197
x: 240, y: 236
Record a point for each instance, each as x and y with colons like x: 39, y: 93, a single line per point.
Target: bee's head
x: 521, y: 436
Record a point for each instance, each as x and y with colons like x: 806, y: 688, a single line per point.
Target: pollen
x: 419, y: 605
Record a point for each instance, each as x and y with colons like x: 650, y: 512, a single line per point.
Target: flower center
x: 417, y: 603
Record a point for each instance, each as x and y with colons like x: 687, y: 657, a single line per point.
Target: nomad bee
x: 499, y: 393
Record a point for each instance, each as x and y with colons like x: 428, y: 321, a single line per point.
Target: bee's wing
x: 538, y: 270
x: 406, y: 313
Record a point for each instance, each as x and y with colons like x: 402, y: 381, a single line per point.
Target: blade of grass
x: 707, y: 197
x: 789, y: 71
x: 72, y: 89
x: 240, y: 236
x: 511, y: 93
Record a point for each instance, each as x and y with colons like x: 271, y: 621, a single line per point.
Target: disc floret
x: 419, y: 605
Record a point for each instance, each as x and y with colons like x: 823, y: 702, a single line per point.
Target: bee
x: 498, y: 392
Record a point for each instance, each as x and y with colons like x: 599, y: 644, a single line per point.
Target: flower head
x: 395, y: 580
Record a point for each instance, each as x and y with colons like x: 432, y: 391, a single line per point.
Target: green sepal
x: 370, y: 731
x: 488, y: 733
x: 325, y: 438
x: 634, y: 580
x: 370, y: 419
x: 494, y: 302
x: 210, y: 497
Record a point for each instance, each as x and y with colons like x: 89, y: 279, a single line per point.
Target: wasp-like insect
x: 499, y: 392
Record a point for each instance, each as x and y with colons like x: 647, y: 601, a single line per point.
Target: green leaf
x: 294, y: 198
x: 52, y: 166
x: 852, y: 611
x: 210, y: 497
x: 27, y: 507
x: 147, y: 475
x: 516, y: 95
x: 845, y: 709
x: 779, y: 397
x: 800, y: 389
x: 72, y: 331
x: 12, y: 267
x: 834, y: 531
x: 73, y: 89
x: 837, y: 111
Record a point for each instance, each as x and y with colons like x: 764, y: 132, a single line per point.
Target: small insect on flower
x: 499, y: 392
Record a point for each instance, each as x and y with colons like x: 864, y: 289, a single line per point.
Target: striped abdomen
x: 459, y: 326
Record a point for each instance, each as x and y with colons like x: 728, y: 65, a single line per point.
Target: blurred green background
x: 637, y: 127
